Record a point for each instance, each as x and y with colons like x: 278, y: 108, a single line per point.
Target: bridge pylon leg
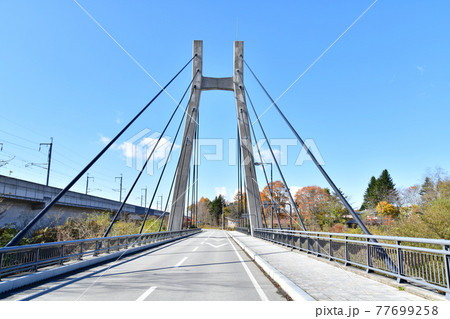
x: 179, y: 195
x: 251, y: 184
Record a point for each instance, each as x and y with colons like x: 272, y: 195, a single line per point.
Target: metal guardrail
x: 418, y: 260
x: 18, y: 259
x: 244, y: 230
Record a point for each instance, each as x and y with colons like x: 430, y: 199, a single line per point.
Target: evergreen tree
x: 370, y: 197
x: 215, y: 208
x: 386, y: 188
x: 428, y: 190
x: 380, y: 189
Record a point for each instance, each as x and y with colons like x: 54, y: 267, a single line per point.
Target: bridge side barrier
x: 418, y: 260
x: 244, y: 230
x: 29, y: 258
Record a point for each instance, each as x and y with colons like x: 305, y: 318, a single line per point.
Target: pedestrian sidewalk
x: 321, y: 280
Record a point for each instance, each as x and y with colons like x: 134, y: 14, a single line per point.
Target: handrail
x: 17, y: 259
x: 381, y: 237
x: 421, y: 265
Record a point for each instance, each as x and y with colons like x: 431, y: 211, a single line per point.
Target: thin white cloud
x: 104, y: 140
x: 220, y: 191
x: 421, y: 69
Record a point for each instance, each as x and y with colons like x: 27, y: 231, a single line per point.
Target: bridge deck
x: 210, y: 266
x: 206, y: 266
x: 321, y: 280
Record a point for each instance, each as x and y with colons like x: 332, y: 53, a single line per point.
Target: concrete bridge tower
x: 200, y: 84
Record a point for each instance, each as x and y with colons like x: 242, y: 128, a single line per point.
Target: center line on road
x: 211, y: 233
x: 195, y: 248
x: 180, y: 262
x: 146, y: 294
x: 258, y: 288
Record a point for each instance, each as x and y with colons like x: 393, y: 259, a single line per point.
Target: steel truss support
x: 228, y: 84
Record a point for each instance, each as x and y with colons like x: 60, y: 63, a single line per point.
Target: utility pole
x: 160, y: 196
x: 270, y: 189
x: 271, y: 192
x: 49, y: 156
x: 144, y: 189
x: 223, y: 215
x: 120, y: 187
x: 87, y: 182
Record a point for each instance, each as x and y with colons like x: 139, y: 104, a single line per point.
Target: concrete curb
x: 33, y: 278
x: 295, y: 292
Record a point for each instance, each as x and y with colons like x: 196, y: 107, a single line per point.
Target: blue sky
x: 379, y: 98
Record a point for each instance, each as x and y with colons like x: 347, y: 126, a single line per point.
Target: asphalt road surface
x: 206, y: 266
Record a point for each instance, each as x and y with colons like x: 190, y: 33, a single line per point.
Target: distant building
x: 231, y: 223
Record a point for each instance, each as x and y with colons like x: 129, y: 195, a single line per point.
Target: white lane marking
x: 258, y: 288
x: 217, y: 239
x: 212, y: 245
x: 146, y: 294
x: 180, y: 262
x: 211, y: 233
x: 195, y: 248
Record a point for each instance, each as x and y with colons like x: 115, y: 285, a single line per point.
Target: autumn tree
x: 411, y: 196
x: 434, y: 222
x: 310, y: 200
x: 332, y: 212
x: 203, y: 211
x: 385, y: 209
x: 280, y: 197
x: 443, y: 188
x: 280, y: 193
x: 410, y: 200
x: 240, y: 199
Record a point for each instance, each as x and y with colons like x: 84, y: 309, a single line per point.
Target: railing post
x: 347, y: 254
x: 369, y: 259
x: 308, y: 244
x: 447, y: 269
x: 80, y: 257
x: 36, y: 259
x: 399, y: 262
x: 96, y: 249
x: 1, y: 265
x: 61, y: 261
x: 292, y: 239
x: 108, y: 245
x: 318, y: 245
x: 330, y: 257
